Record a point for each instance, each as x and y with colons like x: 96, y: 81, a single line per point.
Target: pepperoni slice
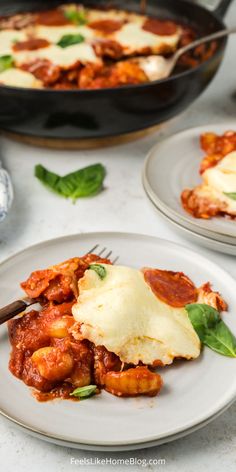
x: 31, y: 44
x: 173, y: 288
x: 52, y: 18
x: 106, y: 26
x: 160, y: 27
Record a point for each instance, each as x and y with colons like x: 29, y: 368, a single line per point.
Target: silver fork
x: 19, y: 306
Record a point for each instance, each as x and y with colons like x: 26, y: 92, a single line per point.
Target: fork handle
x: 11, y: 310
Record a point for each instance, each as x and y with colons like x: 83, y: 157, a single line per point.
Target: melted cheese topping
x: 134, y: 38
x: 221, y: 179
x: 155, y: 67
x: 64, y: 57
x: 7, y: 39
x: 19, y: 78
x: 98, y: 15
x: 54, y: 33
x: 122, y: 313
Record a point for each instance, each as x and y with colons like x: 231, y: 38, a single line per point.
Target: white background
x: 38, y: 214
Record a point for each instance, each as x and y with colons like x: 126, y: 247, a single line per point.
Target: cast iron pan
x: 101, y: 113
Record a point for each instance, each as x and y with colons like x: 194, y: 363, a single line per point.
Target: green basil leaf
x: 99, y: 269
x: 70, y: 40
x: 202, y: 317
x: 85, y: 182
x: 76, y: 15
x: 221, y: 340
x: 6, y: 62
x: 231, y: 195
x: 84, y: 392
x: 48, y: 178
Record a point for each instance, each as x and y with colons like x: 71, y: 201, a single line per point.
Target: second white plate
x: 173, y: 165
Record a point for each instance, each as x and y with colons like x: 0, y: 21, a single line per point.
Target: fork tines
x: 102, y: 253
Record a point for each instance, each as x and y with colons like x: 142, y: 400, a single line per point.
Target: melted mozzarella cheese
x: 19, y: 78
x: 53, y: 34
x: 7, y: 39
x: 155, y: 67
x: 122, y: 313
x: 221, y: 179
x: 100, y: 15
x: 64, y: 57
x: 134, y: 38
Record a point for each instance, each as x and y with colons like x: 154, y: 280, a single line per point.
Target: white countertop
x: 38, y: 214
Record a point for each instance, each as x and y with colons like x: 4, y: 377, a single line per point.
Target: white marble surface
x: 38, y: 214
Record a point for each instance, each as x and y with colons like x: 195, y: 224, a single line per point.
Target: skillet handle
x: 217, y: 7
x: 222, y: 8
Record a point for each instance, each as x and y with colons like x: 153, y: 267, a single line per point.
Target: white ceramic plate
x: 173, y: 165
x: 192, y: 394
x: 193, y: 236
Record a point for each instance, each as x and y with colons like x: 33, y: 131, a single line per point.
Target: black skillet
x: 110, y: 112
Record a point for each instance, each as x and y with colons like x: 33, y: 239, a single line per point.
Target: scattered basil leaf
x: 6, y: 62
x: 211, y: 330
x: 221, y: 340
x: 84, y: 392
x: 70, y: 40
x: 231, y: 195
x: 202, y: 317
x: 85, y: 182
x: 77, y: 16
x: 99, y: 269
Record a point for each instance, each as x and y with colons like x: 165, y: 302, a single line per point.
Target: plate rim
x: 189, y: 230
x: 119, y: 447
x: 119, y: 444
x: 149, y: 156
x: 192, y: 234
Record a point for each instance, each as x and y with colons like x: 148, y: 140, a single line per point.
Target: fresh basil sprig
x: 85, y: 182
x: 70, y: 39
x: 221, y: 340
x: 76, y: 15
x: 6, y: 62
x: 202, y: 317
x: 212, y: 331
x: 231, y: 195
x: 84, y: 392
x: 99, y: 269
